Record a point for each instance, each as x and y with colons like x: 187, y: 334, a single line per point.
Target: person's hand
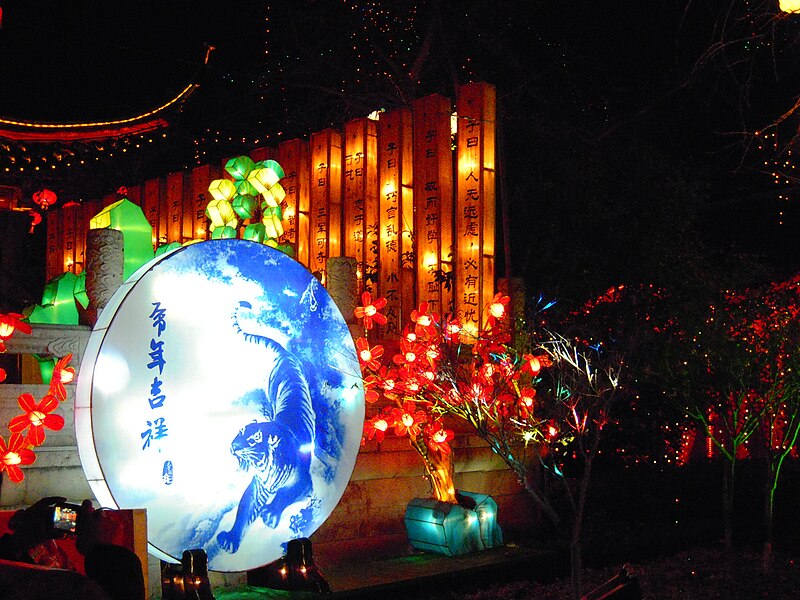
x: 34, y: 524
x: 86, y: 529
x: 95, y: 526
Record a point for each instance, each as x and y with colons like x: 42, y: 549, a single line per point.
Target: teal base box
x: 453, y: 529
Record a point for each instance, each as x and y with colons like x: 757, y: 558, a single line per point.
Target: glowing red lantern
x: 36, y: 218
x: 45, y: 198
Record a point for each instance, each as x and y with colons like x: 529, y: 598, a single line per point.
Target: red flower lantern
x: 13, y: 455
x: 10, y: 322
x: 37, y: 417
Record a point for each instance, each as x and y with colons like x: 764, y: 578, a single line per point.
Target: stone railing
x: 57, y: 470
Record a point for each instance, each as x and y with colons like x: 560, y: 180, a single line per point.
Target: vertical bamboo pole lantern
x: 433, y: 190
x: 475, y: 199
x: 360, y: 184
x: 293, y: 155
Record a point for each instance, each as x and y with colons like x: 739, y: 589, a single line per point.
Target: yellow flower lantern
x: 222, y: 189
x: 273, y: 196
x: 272, y: 225
x: 262, y: 179
x: 221, y: 214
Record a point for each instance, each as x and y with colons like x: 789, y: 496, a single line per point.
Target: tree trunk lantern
x: 44, y: 198
x: 790, y: 6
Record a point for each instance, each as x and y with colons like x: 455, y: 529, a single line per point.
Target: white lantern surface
x: 221, y: 391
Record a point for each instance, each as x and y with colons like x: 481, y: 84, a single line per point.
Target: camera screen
x: 65, y: 518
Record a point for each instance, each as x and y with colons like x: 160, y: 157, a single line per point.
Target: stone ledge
x: 53, y: 340
x: 49, y: 457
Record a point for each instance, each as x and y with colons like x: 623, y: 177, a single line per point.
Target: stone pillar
x: 343, y: 286
x: 104, y: 266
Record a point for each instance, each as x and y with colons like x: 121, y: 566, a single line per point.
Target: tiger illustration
x: 278, y: 449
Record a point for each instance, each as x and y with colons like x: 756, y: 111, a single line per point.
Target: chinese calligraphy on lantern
x: 156, y: 428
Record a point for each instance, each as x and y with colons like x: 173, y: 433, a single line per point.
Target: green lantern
x: 273, y: 164
x: 223, y: 233
x: 81, y: 296
x: 273, y: 211
x: 47, y: 365
x: 137, y: 233
x: 245, y: 188
x: 58, y: 302
x: 255, y: 232
x: 239, y: 168
x: 245, y: 206
x: 164, y: 248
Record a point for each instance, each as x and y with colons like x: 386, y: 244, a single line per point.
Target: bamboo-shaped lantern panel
x: 475, y: 198
x: 69, y: 217
x: 326, y: 201
x: 151, y: 206
x: 360, y: 182
x: 175, y: 212
x: 55, y: 244
x: 198, y: 197
x: 87, y: 210
x: 293, y: 157
x: 394, y: 141
x: 433, y: 190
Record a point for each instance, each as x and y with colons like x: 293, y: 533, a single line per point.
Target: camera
x: 64, y: 517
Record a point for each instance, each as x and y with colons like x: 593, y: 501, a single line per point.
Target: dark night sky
x: 73, y: 60
x: 571, y: 77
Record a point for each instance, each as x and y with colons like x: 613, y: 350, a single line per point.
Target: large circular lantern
x: 220, y: 390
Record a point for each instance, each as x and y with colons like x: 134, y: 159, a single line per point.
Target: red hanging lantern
x: 36, y: 219
x: 44, y: 198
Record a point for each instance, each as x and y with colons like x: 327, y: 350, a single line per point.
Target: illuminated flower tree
x: 502, y: 394
x: 765, y: 323
x: 403, y: 385
x: 729, y: 363
x: 738, y: 383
